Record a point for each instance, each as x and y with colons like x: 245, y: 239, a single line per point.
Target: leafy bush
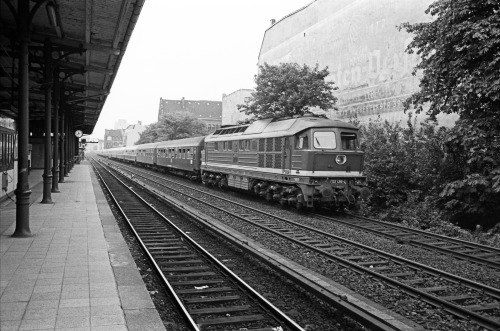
x: 400, y: 160
x: 473, y: 188
x: 431, y: 178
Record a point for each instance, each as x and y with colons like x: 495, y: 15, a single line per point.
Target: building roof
x: 91, y: 38
x: 115, y: 134
x: 199, y: 108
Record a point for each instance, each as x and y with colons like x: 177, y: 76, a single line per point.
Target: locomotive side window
x: 349, y: 141
x: 324, y: 140
x: 302, y: 142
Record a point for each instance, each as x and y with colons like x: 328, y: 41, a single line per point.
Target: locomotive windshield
x: 325, y: 140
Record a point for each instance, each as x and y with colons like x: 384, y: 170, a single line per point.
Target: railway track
x: 459, y: 296
x: 209, y: 295
x: 461, y: 249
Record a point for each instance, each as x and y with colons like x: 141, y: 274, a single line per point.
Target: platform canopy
x: 88, y: 38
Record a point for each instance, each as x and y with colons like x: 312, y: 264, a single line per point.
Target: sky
x: 196, y: 49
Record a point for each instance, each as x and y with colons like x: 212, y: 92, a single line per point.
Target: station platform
x: 76, y: 271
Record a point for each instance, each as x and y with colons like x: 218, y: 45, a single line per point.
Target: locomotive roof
x: 275, y: 128
x: 195, y: 141
x: 148, y: 145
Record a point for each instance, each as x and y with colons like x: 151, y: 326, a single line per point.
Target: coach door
x: 286, y: 156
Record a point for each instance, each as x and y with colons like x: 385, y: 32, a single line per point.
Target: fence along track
x: 459, y: 296
x: 207, y: 293
x: 461, y: 249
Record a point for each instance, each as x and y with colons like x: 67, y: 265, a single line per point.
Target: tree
x: 460, y: 52
x: 181, y: 125
x: 150, y: 134
x: 460, y: 58
x: 288, y: 89
x: 173, y: 126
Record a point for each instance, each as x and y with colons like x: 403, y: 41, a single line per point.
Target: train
x: 8, y: 156
x: 305, y: 162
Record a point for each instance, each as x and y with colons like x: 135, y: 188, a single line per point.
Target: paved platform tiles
x: 76, y: 272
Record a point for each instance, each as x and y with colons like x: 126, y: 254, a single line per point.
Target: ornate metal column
x: 55, y: 160
x: 66, y: 145
x: 23, y: 191
x: 48, y: 75
x: 62, y: 162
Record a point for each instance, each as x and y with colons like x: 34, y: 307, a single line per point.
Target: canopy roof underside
x: 87, y: 37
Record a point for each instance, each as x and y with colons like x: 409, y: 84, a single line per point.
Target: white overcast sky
x: 196, y: 49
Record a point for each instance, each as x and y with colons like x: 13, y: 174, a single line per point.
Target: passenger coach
x: 182, y: 157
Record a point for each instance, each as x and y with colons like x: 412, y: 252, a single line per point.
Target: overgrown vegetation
x: 410, y: 169
x: 460, y: 63
x: 177, y: 125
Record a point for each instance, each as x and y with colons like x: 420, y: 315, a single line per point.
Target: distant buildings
x: 123, y: 134
x: 113, y: 138
x: 120, y: 124
x: 209, y: 112
x: 132, y: 133
x: 230, y: 113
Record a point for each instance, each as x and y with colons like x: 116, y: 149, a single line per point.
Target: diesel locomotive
x: 304, y: 162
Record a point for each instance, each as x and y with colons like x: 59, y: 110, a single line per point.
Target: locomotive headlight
x: 340, y: 159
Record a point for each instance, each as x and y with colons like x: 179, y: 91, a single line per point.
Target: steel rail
x: 434, y: 300
x: 416, y: 242
x: 191, y: 323
x: 366, y: 316
x: 263, y: 301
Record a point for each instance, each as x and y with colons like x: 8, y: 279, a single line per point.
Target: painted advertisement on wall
x: 360, y: 43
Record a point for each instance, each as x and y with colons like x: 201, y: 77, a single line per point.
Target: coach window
x: 224, y: 148
x: 302, y: 142
x: 216, y: 146
x: 242, y: 145
x: 194, y: 153
x: 324, y: 140
x: 230, y: 145
x: 188, y: 156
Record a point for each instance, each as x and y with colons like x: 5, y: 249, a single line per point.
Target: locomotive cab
x: 330, y: 159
